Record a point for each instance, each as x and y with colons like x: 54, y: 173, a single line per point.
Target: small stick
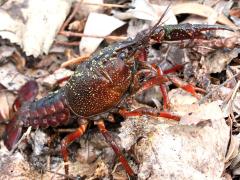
x: 60, y: 174
x: 75, y: 10
x: 74, y: 61
x: 64, y: 43
x: 69, y: 33
x: 109, y: 5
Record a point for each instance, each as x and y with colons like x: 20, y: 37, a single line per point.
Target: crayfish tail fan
x: 12, y: 134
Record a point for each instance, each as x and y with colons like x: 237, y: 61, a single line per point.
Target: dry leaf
x: 193, y: 149
x: 58, y: 75
x: 217, y: 61
x: 33, y: 24
x: 6, y: 99
x: 6, y: 51
x: 233, y: 149
x: 98, y: 25
x: 235, y: 164
x: 147, y: 11
x: 11, y: 78
x: 202, y: 10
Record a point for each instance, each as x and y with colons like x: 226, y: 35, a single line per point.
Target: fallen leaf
x: 6, y: 51
x: 98, y: 25
x: 10, y: 78
x: 217, y: 61
x: 58, y: 75
x: 147, y: 11
x: 193, y: 149
x: 202, y: 10
x: 6, y: 98
x: 33, y: 24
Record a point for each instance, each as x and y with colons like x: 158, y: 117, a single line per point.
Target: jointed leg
x: 68, y: 140
x: 148, y: 111
x: 115, y: 148
x: 186, y: 86
x: 159, y: 80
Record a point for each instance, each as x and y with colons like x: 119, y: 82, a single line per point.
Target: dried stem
x: 64, y: 43
x: 108, y: 5
x: 113, y: 38
x: 75, y: 10
x: 74, y: 61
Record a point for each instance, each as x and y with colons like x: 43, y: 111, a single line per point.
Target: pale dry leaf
x: 14, y: 166
x: 235, y: 164
x: 236, y: 104
x: 33, y: 24
x: 180, y: 101
x: 6, y: 99
x: 58, y: 75
x: 146, y: 11
x: 202, y: 10
x: 233, y: 149
x: 6, y: 51
x: 11, y: 78
x: 182, y: 151
x: 217, y: 61
x: 99, y: 25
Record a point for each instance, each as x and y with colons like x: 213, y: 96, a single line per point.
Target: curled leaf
x: 99, y: 25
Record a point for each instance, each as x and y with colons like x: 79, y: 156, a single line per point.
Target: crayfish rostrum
x: 101, y: 85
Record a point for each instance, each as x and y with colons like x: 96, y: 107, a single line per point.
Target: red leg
x: 115, y: 148
x: 159, y: 79
x: 173, y: 69
x: 68, y: 140
x: 186, y: 86
x: 148, y: 111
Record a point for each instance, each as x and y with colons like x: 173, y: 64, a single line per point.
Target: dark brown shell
x: 98, y: 85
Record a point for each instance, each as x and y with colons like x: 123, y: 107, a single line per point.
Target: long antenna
x: 158, y: 22
x: 146, y: 37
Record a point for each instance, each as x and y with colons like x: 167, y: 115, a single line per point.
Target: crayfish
x: 102, y: 85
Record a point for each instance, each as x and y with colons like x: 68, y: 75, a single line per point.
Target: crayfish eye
x: 122, y: 55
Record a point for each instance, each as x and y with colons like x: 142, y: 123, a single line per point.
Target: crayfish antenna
x: 142, y: 38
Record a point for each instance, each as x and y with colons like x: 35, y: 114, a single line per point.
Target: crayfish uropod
x: 99, y: 87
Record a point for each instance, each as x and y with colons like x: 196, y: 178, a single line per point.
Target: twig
x: 77, y: 60
x: 114, y: 38
x: 218, y: 87
x: 64, y: 43
x: 229, y: 101
x: 74, y: 34
x: 75, y: 10
x: 109, y: 5
x: 60, y: 174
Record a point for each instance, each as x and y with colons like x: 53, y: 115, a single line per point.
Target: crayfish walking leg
x: 115, y: 148
x: 68, y: 140
x: 80, y: 131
